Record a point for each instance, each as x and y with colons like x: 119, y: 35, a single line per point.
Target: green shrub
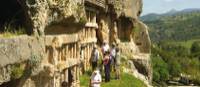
x: 34, y: 64
x: 16, y: 71
x: 195, y: 47
x: 156, y: 76
x: 174, y: 68
x: 160, y: 69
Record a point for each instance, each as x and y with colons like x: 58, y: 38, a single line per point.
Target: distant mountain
x: 154, y: 16
x: 150, y: 17
x: 191, y: 10
x: 174, y: 25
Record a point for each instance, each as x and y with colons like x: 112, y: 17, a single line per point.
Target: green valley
x: 176, y: 47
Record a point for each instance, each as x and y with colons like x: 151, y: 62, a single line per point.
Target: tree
x: 174, y: 68
x: 195, y: 49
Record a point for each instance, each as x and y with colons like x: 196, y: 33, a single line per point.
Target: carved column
x: 94, y: 33
x: 72, y: 50
x: 67, y: 52
x: 63, y: 54
x: 55, y: 56
x: 66, y: 75
x: 86, y: 33
x: 78, y: 50
x: 88, y: 55
x: 59, y: 54
x: 75, y: 51
x: 90, y: 32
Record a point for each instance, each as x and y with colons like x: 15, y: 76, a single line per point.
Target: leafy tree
x: 174, y: 68
x: 195, y: 47
x: 160, y: 69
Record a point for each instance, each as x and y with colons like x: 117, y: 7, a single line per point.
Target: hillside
x: 176, y: 47
x: 176, y: 25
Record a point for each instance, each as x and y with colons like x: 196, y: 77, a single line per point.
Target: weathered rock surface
x: 41, y: 13
x: 128, y: 8
x: 17, y: 50
x: 62, y: 27
x: 143, y: 39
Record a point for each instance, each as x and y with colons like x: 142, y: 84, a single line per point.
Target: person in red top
x: 106, y: 63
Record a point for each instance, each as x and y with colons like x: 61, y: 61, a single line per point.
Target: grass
x: 126, y: 80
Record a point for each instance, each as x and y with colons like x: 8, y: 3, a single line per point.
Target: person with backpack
x: 95, y: 58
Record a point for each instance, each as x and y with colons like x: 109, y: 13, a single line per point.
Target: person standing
x: 113, y: 55
x: 107, y: 62
x: 95, y: 79
x: 95, y: 58
x: 105, y: 47
x: 117, y: 64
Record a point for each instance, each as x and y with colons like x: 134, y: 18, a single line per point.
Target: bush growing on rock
x: 16, y: 71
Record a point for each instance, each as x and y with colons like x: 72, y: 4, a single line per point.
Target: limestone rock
x: 143, y: 65
x: 60, y: 30
x: 143, y: 39
x: 128, y: 8
x: 133, y: 70
x: 17, y: 50
x: 41, y: 13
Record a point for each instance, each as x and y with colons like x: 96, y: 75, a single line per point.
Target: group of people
x: 110, y: 61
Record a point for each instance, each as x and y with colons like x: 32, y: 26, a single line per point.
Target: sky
x: 162, y: 6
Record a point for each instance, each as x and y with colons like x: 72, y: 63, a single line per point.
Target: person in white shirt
x: 95, y: 80
x: 105, y: 47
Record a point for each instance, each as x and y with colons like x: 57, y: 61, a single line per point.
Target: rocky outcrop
x: 133, y: 36
x: 65, y: 31
x: 142, y: 38
x: 41, y: 13
x: 18, y: 50
x: 128, y: 8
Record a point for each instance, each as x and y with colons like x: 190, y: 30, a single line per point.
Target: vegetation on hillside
x: 176, y: 48
x: 179, y: 26
x: 171, y: 61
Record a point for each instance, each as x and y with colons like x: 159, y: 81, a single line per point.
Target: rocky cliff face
x: 41, y: 13
x: 62, y: 29
x: 16, y: 54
